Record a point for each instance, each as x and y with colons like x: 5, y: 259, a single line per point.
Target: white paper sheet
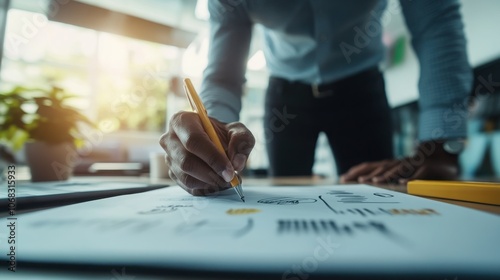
x: 288, y: 230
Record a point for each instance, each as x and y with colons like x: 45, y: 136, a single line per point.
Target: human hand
x: 430, y: 162
x: 193, y: 160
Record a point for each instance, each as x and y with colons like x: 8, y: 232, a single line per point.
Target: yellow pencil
x: 198, y: 107
x: 481, y: 192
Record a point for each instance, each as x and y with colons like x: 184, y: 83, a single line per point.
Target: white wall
x: 482, y: 29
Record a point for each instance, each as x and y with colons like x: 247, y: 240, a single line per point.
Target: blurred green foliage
x: 41, y: 115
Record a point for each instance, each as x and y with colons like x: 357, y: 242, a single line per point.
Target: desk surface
x: 304, y: 181
x: 399, y: 188
x: 301, y: 181
x: 260, y: 182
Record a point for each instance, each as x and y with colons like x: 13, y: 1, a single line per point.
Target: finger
x: 193, y: 185
x: 358, y: 170
x: 433, y: 172
x: 381, y: 169
x: 202, y: 173
x: 196, y: 189
x: 187, y: 164
x: 241, y: 143
x: 420, y: 173
x: 399, y: 171
x: 172, y: 176
x: 377, y: 171
x: 190, y: 132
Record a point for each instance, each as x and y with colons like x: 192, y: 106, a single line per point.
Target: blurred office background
x: 124, y: 58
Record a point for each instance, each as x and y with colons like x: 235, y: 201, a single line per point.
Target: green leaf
x: 51, y: 120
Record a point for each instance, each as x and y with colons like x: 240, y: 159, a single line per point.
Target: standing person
x: 323, y: 58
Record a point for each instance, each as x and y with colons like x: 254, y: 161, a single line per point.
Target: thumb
x: 241, y: 143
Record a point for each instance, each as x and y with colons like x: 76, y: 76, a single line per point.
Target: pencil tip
x: 243, y: 199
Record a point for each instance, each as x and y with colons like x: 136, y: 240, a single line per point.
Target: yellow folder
x: 482, y: 192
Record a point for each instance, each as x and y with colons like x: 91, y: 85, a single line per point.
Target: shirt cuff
x: 222, y: 105
x: 443, y: 123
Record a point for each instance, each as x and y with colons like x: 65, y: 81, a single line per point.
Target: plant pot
x: 50, y: 162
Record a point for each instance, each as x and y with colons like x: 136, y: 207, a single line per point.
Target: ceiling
x: 174, y: 13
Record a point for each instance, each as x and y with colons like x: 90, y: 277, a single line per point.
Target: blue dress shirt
x: 321, y: 41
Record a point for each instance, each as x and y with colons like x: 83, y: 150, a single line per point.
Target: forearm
x: 445, y: 74
x: 223, y: 79
x: 221, y: 104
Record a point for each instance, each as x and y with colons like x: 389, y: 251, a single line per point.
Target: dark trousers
x: 354, y: 115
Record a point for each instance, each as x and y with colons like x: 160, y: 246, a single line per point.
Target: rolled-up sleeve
x: 223, y: 79
x: 445, y: 75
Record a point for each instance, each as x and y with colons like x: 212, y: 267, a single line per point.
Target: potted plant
x: 49, y: 129
x: 6, y: 159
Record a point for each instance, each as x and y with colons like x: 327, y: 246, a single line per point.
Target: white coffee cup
x: 157, y: 166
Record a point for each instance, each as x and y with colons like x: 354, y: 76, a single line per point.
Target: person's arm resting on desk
x: 193, y: 160
x: 445, y: 82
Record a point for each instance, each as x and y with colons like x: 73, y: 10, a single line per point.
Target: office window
x: 122, y: 82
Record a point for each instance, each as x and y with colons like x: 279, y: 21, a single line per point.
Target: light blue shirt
x: 321, y: 41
